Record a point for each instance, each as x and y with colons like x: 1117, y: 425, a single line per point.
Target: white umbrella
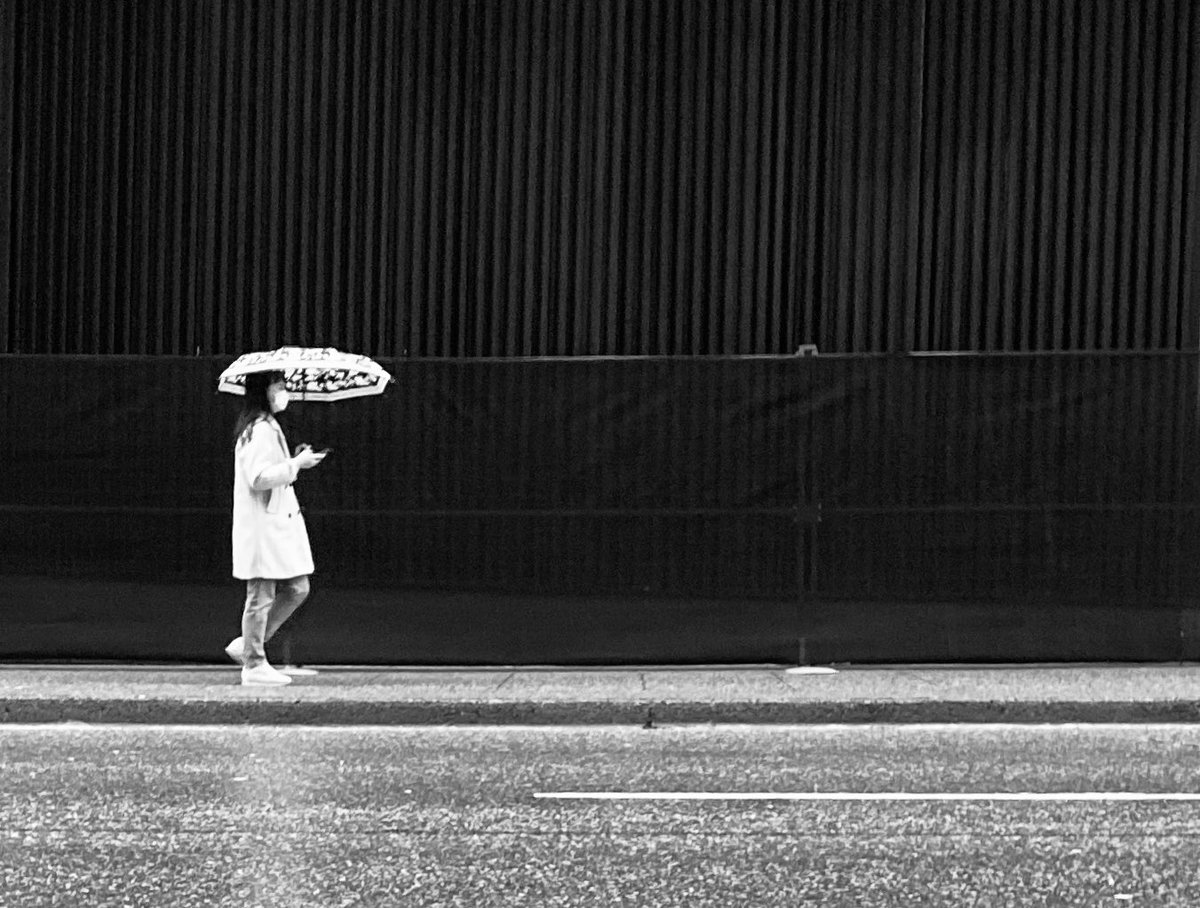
x: 312, y: 373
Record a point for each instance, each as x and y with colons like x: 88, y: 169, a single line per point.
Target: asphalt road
x: 348, y: 816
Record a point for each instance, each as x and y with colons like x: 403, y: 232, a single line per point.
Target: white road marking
x: 868, y: 795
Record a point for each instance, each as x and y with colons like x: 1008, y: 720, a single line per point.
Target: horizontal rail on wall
x: 516, y: 360
x: 1030, y: 508
x: 811, y: 513
x: 1018, y: 354
x: 799, y: 358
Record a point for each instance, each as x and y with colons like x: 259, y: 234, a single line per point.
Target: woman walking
x: 271, y: 551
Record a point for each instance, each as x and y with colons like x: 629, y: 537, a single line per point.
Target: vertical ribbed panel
x: 867, y: 203
x: 7, y: 76
x: 1054, y: 189
x: 537, y: 177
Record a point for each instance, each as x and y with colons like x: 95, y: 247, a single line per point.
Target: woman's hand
x: 306, y: 458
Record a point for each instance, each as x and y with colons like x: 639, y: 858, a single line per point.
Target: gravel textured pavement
x: 112, y: 815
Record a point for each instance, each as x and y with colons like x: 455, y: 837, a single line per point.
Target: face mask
x: 280, y: 401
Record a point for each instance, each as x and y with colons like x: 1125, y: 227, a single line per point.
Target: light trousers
x: 269, y: 603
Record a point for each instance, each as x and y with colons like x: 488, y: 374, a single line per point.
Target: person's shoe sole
x: 298, y: 671
x: 246, y: 683
x: 264, y: 676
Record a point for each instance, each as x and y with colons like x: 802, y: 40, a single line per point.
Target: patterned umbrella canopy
x: 311, y: 373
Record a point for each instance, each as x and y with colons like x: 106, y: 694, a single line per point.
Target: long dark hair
x: 255, y: 405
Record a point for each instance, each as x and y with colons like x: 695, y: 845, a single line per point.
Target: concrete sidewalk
x: 346, y: 695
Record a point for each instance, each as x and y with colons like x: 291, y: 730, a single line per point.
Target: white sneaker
x: 298, y: 672
x: 237, y: 650
x: 263, y: 676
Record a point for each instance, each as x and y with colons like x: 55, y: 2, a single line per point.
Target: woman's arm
x: 263, y: 462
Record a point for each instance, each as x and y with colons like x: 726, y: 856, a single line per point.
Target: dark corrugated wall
x: 538, y: 177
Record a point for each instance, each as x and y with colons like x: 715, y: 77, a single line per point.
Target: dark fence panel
x: 483, y: 511
x: 962, y: 493
x: 1006, y: 430
x: 867, y: 509
x: 566, y: 451
x: 532, y: 177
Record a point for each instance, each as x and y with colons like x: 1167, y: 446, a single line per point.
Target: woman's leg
x: 289, y: 595
x: 259, y: 596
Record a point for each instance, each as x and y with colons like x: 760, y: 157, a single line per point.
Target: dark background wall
x: 1007, y: 506
x: 450, y: 186
x: 534, y: 177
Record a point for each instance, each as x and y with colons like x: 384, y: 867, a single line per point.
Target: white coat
x: 270, y: 540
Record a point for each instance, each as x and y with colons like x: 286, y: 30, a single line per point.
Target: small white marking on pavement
x: 869, y: 795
